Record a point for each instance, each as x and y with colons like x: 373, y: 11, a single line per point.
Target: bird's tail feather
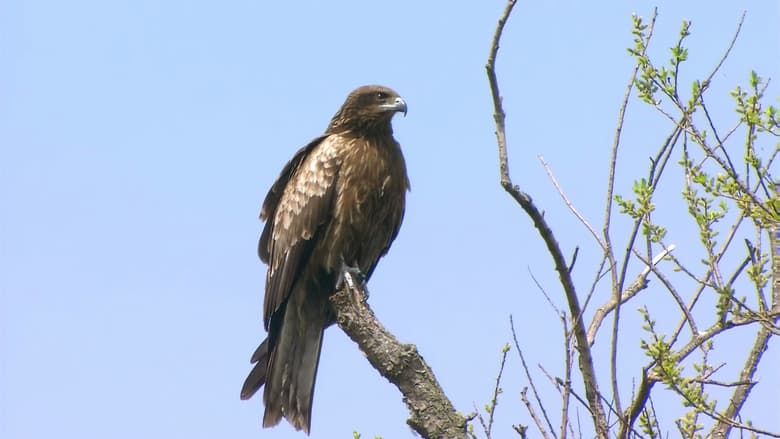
x: 292, y: 367
x: 257, y: 376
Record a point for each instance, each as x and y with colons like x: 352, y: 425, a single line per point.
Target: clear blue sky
x: 138, y: 139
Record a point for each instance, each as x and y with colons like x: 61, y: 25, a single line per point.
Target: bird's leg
x: 353, y: 278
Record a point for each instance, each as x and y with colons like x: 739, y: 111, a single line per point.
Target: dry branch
x: 584, y: 356
x: 432, y: 415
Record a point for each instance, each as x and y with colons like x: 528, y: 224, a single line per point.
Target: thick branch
x: 740, y: 395
x: 432, y: 413
x: 638, y: 404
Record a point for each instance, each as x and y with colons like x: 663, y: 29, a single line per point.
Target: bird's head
x: 370, y: 107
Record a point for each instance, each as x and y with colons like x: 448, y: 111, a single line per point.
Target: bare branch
x: 530, y: 380
x: 639, y: 284
x: 566, y: 396
x: 574, y: 258
x: 715, y: 131
x: 498, y: 111
x: 726, y: 53
x: 724, y: 384
x: 570, y: 205
x: 524, y: 200
x: 432, y: 415
x: 532, y: 412
x: 544, y: 293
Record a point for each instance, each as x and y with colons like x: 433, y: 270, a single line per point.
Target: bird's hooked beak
x: 398, y: 105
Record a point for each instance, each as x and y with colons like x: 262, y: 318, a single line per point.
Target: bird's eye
x: 382, y: 95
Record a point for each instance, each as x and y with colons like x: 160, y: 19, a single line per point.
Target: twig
x: 770, y: 161
x: 600, y: 273
x: 581, y: 401
x: 496, y: 391
x: 608, y: 249
x: 715, y: 131
x: 725, y: 55
x: 687, y: 316
x: 498, y: 111
x: 544, y: 293
x: 565, y: 397
x: 740, y: 395
x: 574, y: 258
x: 529, y: 377
x: 703, y: 282
x: 616, y: 145
x: 639, y: 284
x: 570, y: 205
x: 522, y: 430
x: 723, y: 420
x: 532, y: 412
x: 654, y: 175
x: 724, y: 384
x: 655, y: 417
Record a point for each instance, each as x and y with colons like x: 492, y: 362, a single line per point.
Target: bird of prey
x: 337, y: 205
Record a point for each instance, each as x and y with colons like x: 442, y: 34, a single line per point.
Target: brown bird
x: 336, y: 206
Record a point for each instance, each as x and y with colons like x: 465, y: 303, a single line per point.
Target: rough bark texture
x: 432, y: 415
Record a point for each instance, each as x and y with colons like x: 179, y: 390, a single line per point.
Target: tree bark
x: 432, y: 415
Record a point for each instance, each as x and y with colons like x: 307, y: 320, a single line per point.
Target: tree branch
x: 488, y: 427
x: 760, y: 345
x: 639, y: 284
x: 533, y: 386
x: 524, y: 200
x: 570, y: 205
x: 432, y: 415
x: 531, y: 410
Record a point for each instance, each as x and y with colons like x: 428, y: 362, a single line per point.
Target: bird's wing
x: 394, y: 206
x: 297, y: 207
x: 271, y: 202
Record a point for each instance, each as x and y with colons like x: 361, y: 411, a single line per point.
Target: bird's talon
x: 354, y: 280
